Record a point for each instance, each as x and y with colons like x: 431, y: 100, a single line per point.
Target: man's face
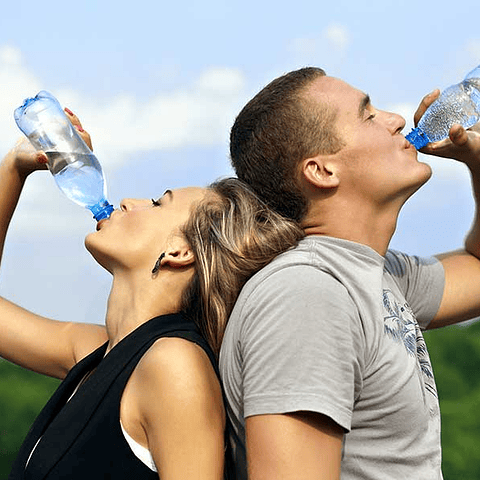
x: 376, y: 163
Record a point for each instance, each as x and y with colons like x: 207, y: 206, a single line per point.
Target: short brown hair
x: 274, y: 132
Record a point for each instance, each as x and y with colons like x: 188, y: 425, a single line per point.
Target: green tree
x: 455, y: 355
x: 22, y: 395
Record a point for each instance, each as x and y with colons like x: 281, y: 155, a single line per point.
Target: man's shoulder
x: 300, y: 263
x: 315, y: 258
x: 399, y: 264
x: 295, y: 283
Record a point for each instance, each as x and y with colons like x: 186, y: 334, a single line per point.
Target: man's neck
x: 372, y: 228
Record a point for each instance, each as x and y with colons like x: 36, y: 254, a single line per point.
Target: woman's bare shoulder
x: 180, y: 367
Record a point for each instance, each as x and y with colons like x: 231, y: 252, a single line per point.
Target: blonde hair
x: 233, y: 234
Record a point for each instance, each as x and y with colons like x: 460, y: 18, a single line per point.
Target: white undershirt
x: 142, y: 453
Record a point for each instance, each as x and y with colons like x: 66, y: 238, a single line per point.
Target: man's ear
x: 179, y: 254
x: 321, y: 172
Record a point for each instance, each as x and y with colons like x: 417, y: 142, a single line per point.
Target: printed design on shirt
x: 402, y: 327
x: 398, y: 323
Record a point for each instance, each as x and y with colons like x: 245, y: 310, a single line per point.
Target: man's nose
x: 395, y: 122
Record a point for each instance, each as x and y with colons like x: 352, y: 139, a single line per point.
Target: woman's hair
x: 233, y: 234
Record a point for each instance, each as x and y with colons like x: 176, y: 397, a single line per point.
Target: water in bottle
x: 76, y: 170
x: 458, y: 103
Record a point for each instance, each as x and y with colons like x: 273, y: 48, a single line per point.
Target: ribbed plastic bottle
x: 76, y: 170
x: 458, y: 103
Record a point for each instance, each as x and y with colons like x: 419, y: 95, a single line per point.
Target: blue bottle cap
x: 418, y: 138
x: 101, y: 210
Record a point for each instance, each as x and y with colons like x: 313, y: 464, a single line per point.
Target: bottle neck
x: 101, y: 210
x: 418, y: 138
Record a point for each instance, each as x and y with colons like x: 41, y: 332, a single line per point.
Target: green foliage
x: 455, y: 355
x: 22, y: 395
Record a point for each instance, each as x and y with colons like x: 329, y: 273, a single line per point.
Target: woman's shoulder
x: 180, y: 366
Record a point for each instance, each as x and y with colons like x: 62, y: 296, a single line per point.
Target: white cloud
x: 304, y: 47
x: 338, y: 37
x: 334, y: 39
x: 197, y: 114
x: 200, y: 113
x: 473, y: 48
x: 16, y: 83
x: 10, y: 55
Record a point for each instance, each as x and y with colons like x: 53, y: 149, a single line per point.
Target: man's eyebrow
x: 364, y: 103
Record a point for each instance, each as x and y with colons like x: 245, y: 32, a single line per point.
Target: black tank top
x: 82, y: 438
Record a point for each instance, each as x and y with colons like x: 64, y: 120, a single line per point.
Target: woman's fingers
x: 78, y: 125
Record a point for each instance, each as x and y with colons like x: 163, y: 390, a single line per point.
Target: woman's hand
x: 76, y: 123
x: 462, y: 145
x: 26, y: 159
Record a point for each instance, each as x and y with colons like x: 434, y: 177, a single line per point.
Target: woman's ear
x: 179, y: 254
x: 321, y: 172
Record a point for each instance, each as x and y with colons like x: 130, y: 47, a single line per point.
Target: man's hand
x: 461, y: 296
x: 462, y: 145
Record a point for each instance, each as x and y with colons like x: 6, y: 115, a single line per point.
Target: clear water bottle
x: 459, y: 103
x: 76, y: 170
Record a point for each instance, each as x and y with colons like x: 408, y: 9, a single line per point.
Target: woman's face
x: 135, y: 235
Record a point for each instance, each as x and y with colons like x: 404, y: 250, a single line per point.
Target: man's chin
x: 422, y: 180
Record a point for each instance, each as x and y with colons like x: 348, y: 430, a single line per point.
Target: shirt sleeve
x: 422, y: 279
x: 302, y: 347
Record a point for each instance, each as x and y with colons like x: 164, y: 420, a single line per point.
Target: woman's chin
x: 99, y: 256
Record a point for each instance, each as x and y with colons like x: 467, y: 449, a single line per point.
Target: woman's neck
x: 133, y: 301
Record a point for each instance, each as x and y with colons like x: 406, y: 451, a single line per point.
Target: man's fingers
x: 427, y: 100
x: 458, y: 135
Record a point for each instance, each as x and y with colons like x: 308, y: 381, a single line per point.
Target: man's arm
x: 302, y: 445
x: 461, y: 298
x: 300, y: 373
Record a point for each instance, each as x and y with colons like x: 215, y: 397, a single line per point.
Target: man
x: 325, y: 368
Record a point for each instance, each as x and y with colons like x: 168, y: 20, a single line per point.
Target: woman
x: 141, y: 397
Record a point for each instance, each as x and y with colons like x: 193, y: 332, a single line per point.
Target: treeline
x: 455, y: 355
x: 22, y: 395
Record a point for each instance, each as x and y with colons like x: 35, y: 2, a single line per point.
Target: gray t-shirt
x: 333, y: 327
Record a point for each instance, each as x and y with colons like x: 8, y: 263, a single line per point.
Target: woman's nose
x: 128, y: 204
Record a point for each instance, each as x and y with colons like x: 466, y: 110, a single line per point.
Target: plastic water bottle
x: 459, y: 103
x: 76, y: 170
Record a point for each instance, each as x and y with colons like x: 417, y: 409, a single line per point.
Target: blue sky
x: 158, y: 86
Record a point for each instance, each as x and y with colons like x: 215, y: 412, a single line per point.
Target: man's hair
x: 274, y: 132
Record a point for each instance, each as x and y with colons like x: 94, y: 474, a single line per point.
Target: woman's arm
x: 34, y: 342
x: 180, y: 408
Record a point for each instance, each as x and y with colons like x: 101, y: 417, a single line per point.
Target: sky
x: 158, y: 85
